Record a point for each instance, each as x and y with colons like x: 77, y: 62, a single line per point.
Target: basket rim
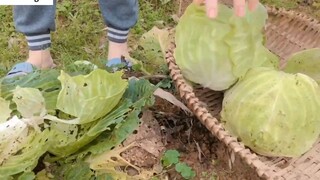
x: 213, y: 124
x: 210, y: 122
x: 300, y: 16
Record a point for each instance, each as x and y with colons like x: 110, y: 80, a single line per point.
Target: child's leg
x: 35, y: 22
x: 119, y: 16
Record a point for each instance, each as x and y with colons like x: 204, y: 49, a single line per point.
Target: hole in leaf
x: 114, y: 158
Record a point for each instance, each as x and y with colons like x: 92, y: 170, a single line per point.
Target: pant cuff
x: 117, y: 35
x: 39, y: 41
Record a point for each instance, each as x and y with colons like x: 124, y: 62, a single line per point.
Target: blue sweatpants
x: 36, y: 22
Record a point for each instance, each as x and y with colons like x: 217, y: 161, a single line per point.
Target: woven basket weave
x: 287, y: 32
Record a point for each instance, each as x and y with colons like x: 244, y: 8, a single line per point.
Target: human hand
x: 239, y: 6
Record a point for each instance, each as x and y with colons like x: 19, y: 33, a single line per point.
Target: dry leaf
x: 172, y: 99
x: 148, y: 136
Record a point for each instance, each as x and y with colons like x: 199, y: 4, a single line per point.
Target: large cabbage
x: 215, y: 53
x: 273, y: 112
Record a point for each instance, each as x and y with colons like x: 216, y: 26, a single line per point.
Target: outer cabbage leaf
x: 70, y: 138
x: 125, y: 119
x: 43, y: 175
x: 269, y: 59
x: 215, y: 53
x: 73, y: 171
x: 27, y: 176
x: 101, y: 154
x: 45, y: 81
x: 273, y: 112
x: 90, y: 97
x: 29, y: 101
x: 5, y: 110
x: 112, y: 160
x: 11, y: 130
x: 246, y: 42
x: 20, y: 146
x: 306, y: 62
x: 152, y: 48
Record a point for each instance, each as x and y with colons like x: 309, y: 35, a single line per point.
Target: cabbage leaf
x: 90, y: 97
x: 306, y: 62
x: 21, y: 146
x: 5, y: 110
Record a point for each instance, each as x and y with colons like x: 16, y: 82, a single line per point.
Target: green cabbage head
x: 273, y: 112
x: 216, y: 53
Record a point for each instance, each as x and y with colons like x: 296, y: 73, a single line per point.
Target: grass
x: 288, y: 4
x: 79, y: 34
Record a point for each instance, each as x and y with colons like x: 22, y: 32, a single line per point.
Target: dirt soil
x: 198, y: 148
x: 170, y: 128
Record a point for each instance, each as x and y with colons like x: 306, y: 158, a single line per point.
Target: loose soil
x: 167, y: 127
x: 208, y: 157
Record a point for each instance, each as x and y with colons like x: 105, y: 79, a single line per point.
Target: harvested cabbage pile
x: 64, y: 118
x: 216, y: 53
x: 273, y: 112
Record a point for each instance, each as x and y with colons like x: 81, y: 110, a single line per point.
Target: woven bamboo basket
x: 287, y: 32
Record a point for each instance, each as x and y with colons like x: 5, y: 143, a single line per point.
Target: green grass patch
x: 310, y: 7
x: 79, y: 34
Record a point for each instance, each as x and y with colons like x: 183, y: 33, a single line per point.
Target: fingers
x: 253, y: 4
x: 212, y: 8
x: 239, y: 7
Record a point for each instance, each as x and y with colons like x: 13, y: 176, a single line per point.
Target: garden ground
x: 80, y: 35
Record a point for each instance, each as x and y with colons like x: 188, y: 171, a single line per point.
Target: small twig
x: 190, y: 124
x: 200, y: 152
x: 168, y: 114
x: 165, y: 172
x: 155, y: 76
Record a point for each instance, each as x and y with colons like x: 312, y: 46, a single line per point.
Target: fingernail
x: 241, y: 12
x: 212, y: 13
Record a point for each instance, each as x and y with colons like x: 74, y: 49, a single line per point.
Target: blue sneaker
x: 116, y: 64
x: 20, y: 69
